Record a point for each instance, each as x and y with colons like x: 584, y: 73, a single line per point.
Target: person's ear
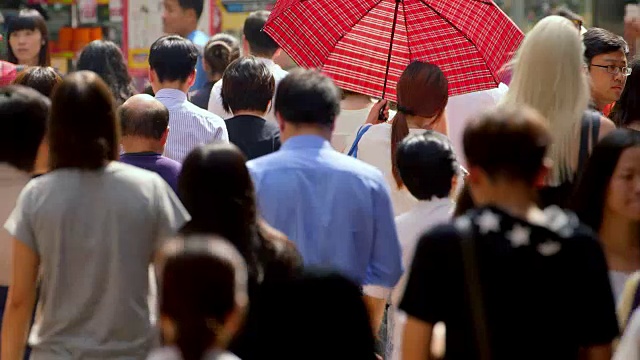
x: 545, y: 169
x: 246, y: 49
x: 277, y: 54
x: 454, y: 184
x: 234, y: 321
x: 165, y: 135
x: 475, y: 175
x: 281, y: 122
x: 192, y: 78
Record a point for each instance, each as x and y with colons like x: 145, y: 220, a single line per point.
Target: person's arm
x: 20, y: 302
x: 416, y: 341
x: 215, y: 101
x: 376, y: 307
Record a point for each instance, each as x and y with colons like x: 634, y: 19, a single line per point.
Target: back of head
x: 308, y: 97
x: 105, y: 59
x: 627, y: 109
x: 560, y: 92
x: 83, y: 132
x: 247, y: 85
x: 422, y: 90
x: 508, y: 143
x: 218, y: 55
x: 427, y: 165
x: 204, y: 281
x: 42, y: 79
x: 230, y: 213
x: 300, y: 311
x: 260, y: 43
x: 24, y: 117
x: 196, y: 5
x: 143, y: 116
x: 173, y: 58
x: 599, y: 41
x: 589, y: 199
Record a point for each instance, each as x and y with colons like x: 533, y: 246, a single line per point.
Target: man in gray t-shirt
x: 95, y: 234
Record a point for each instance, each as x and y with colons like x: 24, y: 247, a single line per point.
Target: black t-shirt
x: 546, y: 289
x: 254, y: 135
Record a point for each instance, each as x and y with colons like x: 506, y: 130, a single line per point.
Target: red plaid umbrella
x: 364, y: 45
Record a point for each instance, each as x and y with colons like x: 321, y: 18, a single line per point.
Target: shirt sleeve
x: 599, y: 324
x: 222, y: 134
x: 385, y: 265
x: 20, y: 222
x: 215, y: 101
x: 429, y: 278
x: 171, y: 214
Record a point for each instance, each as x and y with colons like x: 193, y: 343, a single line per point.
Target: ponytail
x: 399, y: 130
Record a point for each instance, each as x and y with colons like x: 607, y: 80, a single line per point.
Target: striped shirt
x: 189, y: 125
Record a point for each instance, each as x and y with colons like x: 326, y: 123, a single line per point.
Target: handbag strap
x: 474, y: 293
x: 591, y: 121
x: 354, y: 147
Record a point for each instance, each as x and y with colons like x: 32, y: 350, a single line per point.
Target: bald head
x: 144, y: 116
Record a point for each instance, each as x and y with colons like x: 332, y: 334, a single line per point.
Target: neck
x: 418, y: 122
x: 213, y: 78
x: 189, y: 30
x: 621, y: 240
x: 137, y: 144
x: 513, y: 197
x: 355, y: 102
x: 31, y: 62
x: 292, y: 130
x: 250, y: 112
x: 175, y: 85
x: 600, y: 104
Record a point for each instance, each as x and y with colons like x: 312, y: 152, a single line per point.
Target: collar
x: 268, y: 62
x: 435, y: 202
x: 174, y: 94
x: 142, y: 153
x: 306, y: 142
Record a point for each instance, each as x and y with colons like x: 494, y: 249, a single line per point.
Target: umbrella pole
x: 393, y: 32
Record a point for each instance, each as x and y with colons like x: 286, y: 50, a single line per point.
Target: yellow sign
x: 139, y: 59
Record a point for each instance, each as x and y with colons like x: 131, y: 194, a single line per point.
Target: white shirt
x: 190, y: 125
x: 374, y: 148
x: 173, y: 353
x: 411, y: 226
x: 346, y: 124
x: 462, y: 108
x: 629, y: 346
x: 12, y: 181
x: 215, y: 100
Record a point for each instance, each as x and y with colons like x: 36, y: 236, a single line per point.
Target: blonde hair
x: 549, y: 76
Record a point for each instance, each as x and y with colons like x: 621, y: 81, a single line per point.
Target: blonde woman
x: 549, y: 76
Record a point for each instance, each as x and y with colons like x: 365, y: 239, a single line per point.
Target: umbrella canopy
x: 350, y: 40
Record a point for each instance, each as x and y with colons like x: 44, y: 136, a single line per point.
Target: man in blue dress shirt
x: 334, y: 207
x: 180, y: 17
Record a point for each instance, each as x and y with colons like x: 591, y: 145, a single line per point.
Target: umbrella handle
x: 393, y: 33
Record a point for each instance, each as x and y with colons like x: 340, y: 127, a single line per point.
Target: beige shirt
x: 12, y: 181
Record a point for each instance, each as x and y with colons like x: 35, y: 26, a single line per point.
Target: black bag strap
x: 590, y: 121
x: 474, y: 293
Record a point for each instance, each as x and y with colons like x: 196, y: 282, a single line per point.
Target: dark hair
x: 24, y: 119
x: 464, y: 202
x: 230, y: 213
x: 599, y: 41
x: 427, y: 163
x: 508, y: 142
x: 83, y: 128
x: 201, y: 281
x: 566, y: 13
x: 590, y: 196
x: 260, y: 43
x: 30, y: 20
x: 42, y: 79
x: 301, y: 312
x: 173, y: 58
x: 196, y: 5
x: 247, y: 84
x: 105, y: 59
x: 627, y: 109
x: 308, y: 97
x: 220, y: 51
x: 150, y: 122
x: 422, y: 90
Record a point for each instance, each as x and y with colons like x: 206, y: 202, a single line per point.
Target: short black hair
x: 247, y: 84
x: 427, y: 163
x: 508, y: 142
x: 173, y: 58
x: 24, y: 122
x: 260, y: 43
x: 599, y: 41
x: 308, y: 97
x: 150, y: 122
x: 196, y: 5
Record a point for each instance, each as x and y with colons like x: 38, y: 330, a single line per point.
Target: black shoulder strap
x: 474, y: 293
x: 584, y: 142
x: 595, y: 131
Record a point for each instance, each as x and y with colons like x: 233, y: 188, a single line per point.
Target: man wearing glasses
x: 606, y: 60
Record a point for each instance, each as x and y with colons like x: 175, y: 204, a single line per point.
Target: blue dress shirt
x: 199, y: 39
x: 334, y: 207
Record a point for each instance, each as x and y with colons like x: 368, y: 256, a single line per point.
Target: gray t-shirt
x: 96, y: 233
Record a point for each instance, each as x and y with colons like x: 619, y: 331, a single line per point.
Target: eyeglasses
x: 615, y: 70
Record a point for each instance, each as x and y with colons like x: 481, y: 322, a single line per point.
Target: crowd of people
x: 239, y: 211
